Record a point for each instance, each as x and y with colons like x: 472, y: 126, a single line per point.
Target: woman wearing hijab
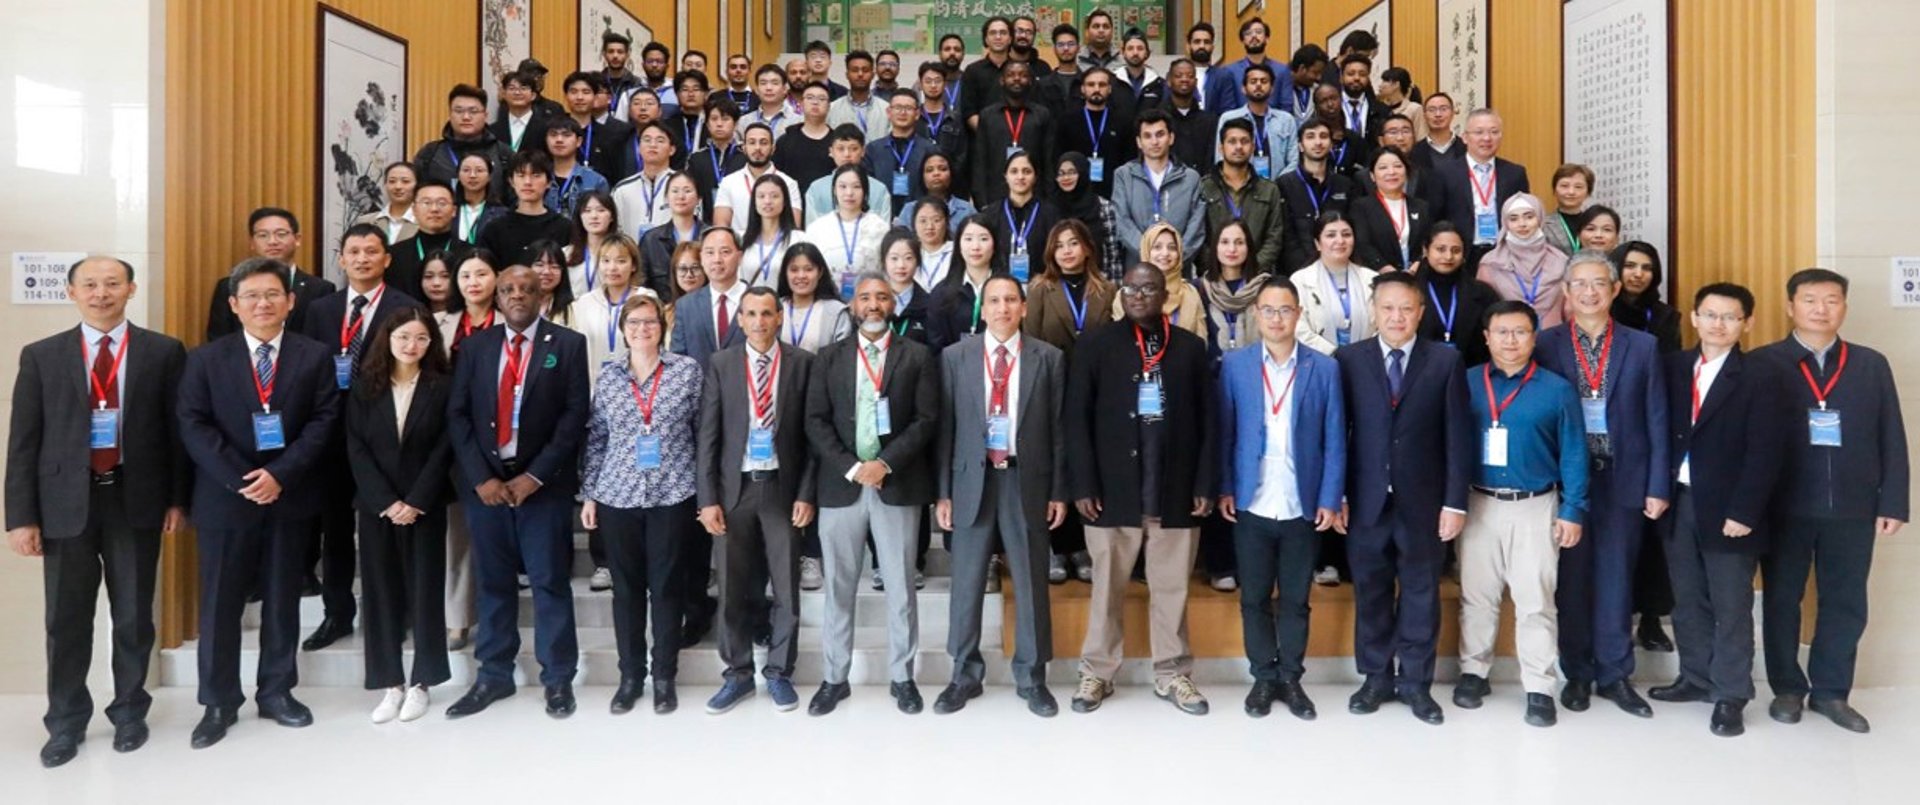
x: 1638, y: 305
x: 1160, y: 246
x: 1073, y: 194
x: 1523, y: 266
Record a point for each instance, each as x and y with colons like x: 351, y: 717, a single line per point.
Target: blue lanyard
x: 691, y: 134
x: 953, y: 93
x: 1079, y: 311
x: 613, y: 319
x: 571, y: 175
x: 848, y: 240
x: 928, y: 271
x: 794, y: 336
x: 1018, y: 231
x: 1092, y: 133
x: 860, y: 113
x: 677, y: 240
x: 653, y: 192
x: 1447, y: 318
x: 1226, y: 193
x: 1301, y: 171
x: 586, y: 265
x: 900, y: 159
x: 718, y: 158
x: 1532, y: 293
x: 1259, y: 135
x: 1302, y: 100
x: 455, y: 159
x: 586, y: 151
x: 763, y: 250
x: 1346, y: 302
x: 934, y: 123
x: 1341, y: 155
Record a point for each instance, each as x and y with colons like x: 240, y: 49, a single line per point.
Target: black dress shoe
x: 954, y: 698
x: 1297, y: 702
x: 1839, y: 712
x: 625, y: 695
x: 1040, y: 701
x: 1728, y: 719
x: 828, y: 697
x: 907, y: 696
x: 479, y: 697
x: 1540, y: 711
x: 130, y: 736
x: 330, y: 630
x: 694, y: 629
x: 1577, y: 696
x: 213, y: 726
x: 1680, y: 691
x: 1623, y: 694
x: 1786, y: 708
x: 1424, y: 707
x: 309, y: 588
x: 1260, y: 698
x: 61, y: 748
x: 1368, y: 698
x: 665, y: 700
x: 1471, y: 691
x: 1653, y: 637
x: 560, y: 703
x: 285, y: 711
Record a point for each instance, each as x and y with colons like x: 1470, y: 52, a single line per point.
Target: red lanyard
x: 1000, y: 381
x: 466, y: 324
x: 1486, y: 376
x: 1012, y: 127
x: 1696, y: 386
x: 1280, y: 399
x: 1595, y: 379
x: 646, y: 406
x: 1400, y: 223
x: 348, y: 333
x: 1820, y: 393
x: 100, y: 388
x: 764, y: 393
x: 1485, y: 194
x: 1147, y: 364
x: 868, y: 365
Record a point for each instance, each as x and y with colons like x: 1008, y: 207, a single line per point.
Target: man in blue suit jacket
x: 1283, y: 456
x: 1222, y: 93
x: 1623, y: 400
x: 697, y: 334
x: 1411, y: 455
x: 516, y: 417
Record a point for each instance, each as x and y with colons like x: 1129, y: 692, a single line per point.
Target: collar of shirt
x: 754, y: 354
x: 353, y: 294
x: 253, y: 344
x: 1819, y: 355
x: 92, y: 336
x: 1012, y: 343
x: 1293, y: 357
x: 1473, y: 164
x: 732, y: 295
x: 886, y: 341
x: 1711, y: 370
x: 529, y: 332
x: 1386, y: 349
x: 520, y: 120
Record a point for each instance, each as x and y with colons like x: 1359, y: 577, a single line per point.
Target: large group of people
x: 1257, y: 320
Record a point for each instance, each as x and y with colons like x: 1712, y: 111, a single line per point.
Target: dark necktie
x: 356, y: 322
x: 763, y: 390
x: 106, y: 458
x: 721, y: 324
x: 1395, y: 373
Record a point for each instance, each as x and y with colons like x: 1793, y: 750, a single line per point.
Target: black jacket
x: 910, y: 384
x: 390, y: 465
x: 1867, y: 475
x: 438, y: 162
x: 1103, y: 431
x: 1305, y: 201
x: 216, y: 408
x: 1735, y: 448
x: 1422, y: 446
x: 1376, y: 241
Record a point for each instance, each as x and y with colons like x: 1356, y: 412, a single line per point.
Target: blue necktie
x: 263, y: 365
x: 1395, y: 375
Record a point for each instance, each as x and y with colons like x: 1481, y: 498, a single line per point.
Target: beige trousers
x: 460, y: 584
x: 1169, y: 556
x: 1509, y: 545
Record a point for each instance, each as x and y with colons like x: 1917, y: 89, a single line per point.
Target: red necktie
x: 721, y: 323
x: 503, y: 413
x: 106, y: 458
x: 998, y: 406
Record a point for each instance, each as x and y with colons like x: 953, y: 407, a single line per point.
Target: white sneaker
x: 1083, y: 566
x: 389, y: 706
x: 810, y: 578
x: 416, y: 704
x: 522, y: 580
x: 919, y: 580
x: 1327, y: 577
x: 602, y: 580
x: 1225, y: 584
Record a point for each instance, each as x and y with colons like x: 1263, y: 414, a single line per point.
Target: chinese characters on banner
x: 1616, y: 118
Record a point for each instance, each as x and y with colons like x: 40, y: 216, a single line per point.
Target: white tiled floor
x: 1136, y: 749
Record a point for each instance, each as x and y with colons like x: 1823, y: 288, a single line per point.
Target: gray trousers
x: 843, y: 534
x: 760, y: 533
x: 1712, y: 608
x: 1023, y: 534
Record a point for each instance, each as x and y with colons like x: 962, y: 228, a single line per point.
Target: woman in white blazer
x: 1336, y: 296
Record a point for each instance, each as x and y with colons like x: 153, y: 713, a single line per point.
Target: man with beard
x: 1234, y: 192
x: 886, y: 73
x: 654, y: 58
x: 615, y: 52
x: 980, y: 83
x: 1306, y: 66
x: 1311, y: 188
x: 1144, y: 86
x: 1362, y: 112
x: 860, y: 106
x: 1005, y: 126
x: 739, y: 72
x: 1351, y: 151
x: 1200, y: 52
x: 1223, y: 87
x: 953, y: 50
x: 1193, y: 126
x: 736, y: 189
x: 1025, y: 31
x: 1274, y: 151
x: 1060, y: 90
x: 1102, y: 132
x: 940, y: 121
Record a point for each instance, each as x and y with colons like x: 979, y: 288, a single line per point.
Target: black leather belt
x: 1511, y: 495
x: 108, y: 478
x: 512, y: 466
x: 759, y: 476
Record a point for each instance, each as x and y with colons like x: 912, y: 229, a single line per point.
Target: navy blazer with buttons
x: 554, y: 407
x: 216, y: 407
x: 1423, y: 447
x: 1319, y: 440
x: 1636, y: 392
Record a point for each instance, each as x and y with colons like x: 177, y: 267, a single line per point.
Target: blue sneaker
x: 781, y: 689
x: 731, y: 695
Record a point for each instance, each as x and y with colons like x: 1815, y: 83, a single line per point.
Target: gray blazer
x: 721, y: 445
x: 1040, y: 445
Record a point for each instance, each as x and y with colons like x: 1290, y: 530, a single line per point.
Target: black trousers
x: 1842, y: 551
x: 1004, y: 519
x: 1219, y: 546
x: 760, y: 534
x: 1713, y: 606
x: 1275, y: 553
x: 1071, y: 536
x: 645, y: 547
x: 403, y: 573
x: 1653, y: 595
x: 330, y: 545
x: 1396, y: 598
x: 127, y: 559
x: 269, y: 557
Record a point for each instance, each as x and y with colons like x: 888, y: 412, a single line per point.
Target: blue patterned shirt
x: 613, y: 476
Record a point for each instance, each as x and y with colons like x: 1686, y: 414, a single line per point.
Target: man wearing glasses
x: 466, y: 132
x: 274, y: 234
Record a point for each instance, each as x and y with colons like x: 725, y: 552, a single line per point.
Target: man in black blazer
x: 517, y: 417
x: 95, y: 473
x: 346, y: 319
x: 1001, y: 469
x: 1725, y: 415
x: 1139, y: 421
x: 705, y: 322
x: 1410, y: 453
x: 275, y: 235
x: 257, y: 410
x: 755, y: 489
x: 872, y: 407
x: 1474, y: 189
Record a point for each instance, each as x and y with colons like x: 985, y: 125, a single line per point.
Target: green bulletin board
x: 914, y: 26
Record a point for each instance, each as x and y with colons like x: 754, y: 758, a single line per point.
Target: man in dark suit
x: 117, y: 425
x: 1623, y: 400
x: 1363, y: 111
x: 756, y: 488
x: 1725, y: 415
x: 1001, y: 469
x: 257, y: 410
x: 1410, y: 455
x: 275, y: 235
x: 517, y: 418
x: 1475, y: 189
x: 433, y: 207
x: 1845, y: 483
x: 346, y: 318
x: 705, y: 322
x: 872, y: 407
x: 1140, y: 424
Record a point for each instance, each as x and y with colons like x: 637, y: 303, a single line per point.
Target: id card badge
x: 760, y: 444
x: 1343, y: 336
x: 1486, y: 227
x: 519, y: 394
x: 900, y: 183
x: 999, y: 433
x: 1823, y: 427
x: 1021, y: 265
x: 1013, y: 149
x: 1263, y: 165
x: 1594, y: 411
x: 882, y: 417
x: 846, y: 284
x: 1149, y: 401
x: 343, y: 370
x: 1096, y: 169
x: 104, y: 432
x: 1494, y: 453
x: 646, y: 451
x: 268, y: 432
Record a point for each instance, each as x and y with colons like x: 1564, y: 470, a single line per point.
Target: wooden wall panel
x: 1524, y: 83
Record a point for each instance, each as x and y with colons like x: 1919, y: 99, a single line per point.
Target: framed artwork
x: 597, y: 17
x: 1378, y: 20
x: 1462, y: 51
x: 362, y: 124
x: 506, y: 38
x: 1616, y: 76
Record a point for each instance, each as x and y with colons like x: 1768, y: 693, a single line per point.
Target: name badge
x: 1486, y: 227
x: 1263, y: 165
x: 846, y: 283
x: 105, y: 431
x: 268, y: 432
x: 1823, y: 427
x: 999, y: 433
x: 760, y: 444
x: 1021, y: 265
x: 882, y: 417
x: 1594, y: 410
x: 519, y: 394
x: 1494, y: 452
x: 646, y: 451
x: 1343, y: 336
x: 1013, y: 149
x: 1149, y: 404
x: 343, y: 370
x: 900, y: 183
x: 1096, y: 169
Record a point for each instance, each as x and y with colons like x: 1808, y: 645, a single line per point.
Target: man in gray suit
x: 1002, y: 459
x: 755, y: 489
x: 705, y: 322
x: 872, y: 407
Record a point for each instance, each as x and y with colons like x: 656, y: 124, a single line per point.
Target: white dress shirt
x: 512, y: 447
x: 731, y: 297
x: 91, y: 339
x: 1278, y: 495
x: 753, y: 421
x: 517, y: 127
x: 1704, y: 373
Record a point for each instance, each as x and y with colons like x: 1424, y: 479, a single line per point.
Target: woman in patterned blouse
x: 638, y: 486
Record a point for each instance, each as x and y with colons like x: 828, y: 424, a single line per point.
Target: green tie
x: 866, y: 427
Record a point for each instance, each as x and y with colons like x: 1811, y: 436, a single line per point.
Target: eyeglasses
x: 1723, y: 318
x: 432, y: 203
x: 275, y: 234
x: 1511, y: 333
x: 1283, y: 312
x: 468, y: 111
x: 1589, y: 285
x: 687, y: 268
x: 256, y: 297
x: 643, y: 322
x: 1139, y: 290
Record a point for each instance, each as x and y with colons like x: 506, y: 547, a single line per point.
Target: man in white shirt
x: 733, y: 200
x: 641, y: 199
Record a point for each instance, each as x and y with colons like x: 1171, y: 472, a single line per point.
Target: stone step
x: 938, y: 560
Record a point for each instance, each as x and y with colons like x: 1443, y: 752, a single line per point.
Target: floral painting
x: 506, y: 38
x: 597, y: 17
x: 363, y: 125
